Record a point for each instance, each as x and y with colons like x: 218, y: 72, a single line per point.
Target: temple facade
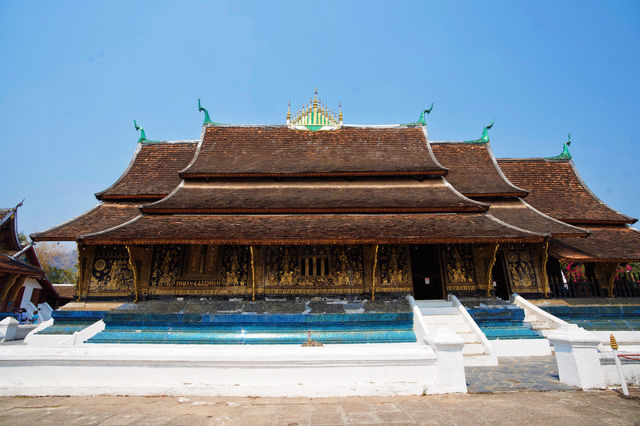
x: 317, y: 207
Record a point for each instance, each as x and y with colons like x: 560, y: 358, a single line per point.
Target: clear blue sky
x: 75, y: 74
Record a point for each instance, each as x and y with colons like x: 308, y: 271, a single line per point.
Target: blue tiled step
x: 256, y: 328
x: 68, y: 322
x: 502, y: 321
x: 521, y: 332
x: 620, y: 318
x: 253, y: 337
x: 497, y: 314
x: 593, y: 311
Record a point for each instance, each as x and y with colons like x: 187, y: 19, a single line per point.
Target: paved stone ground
x: 548, y: 408
x: 535, y: 373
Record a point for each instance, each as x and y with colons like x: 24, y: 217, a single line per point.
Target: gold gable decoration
x: 314, y: 116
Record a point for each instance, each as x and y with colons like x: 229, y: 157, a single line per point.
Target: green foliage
x: 23, y: 239
x: 60, y: 275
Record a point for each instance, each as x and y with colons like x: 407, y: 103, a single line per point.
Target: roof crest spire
x: 422, y: 120
x: 289, y: 113
x: 207, y: 118
x: 566, y: 155
x: 143, y: 136
x: 485, y: 134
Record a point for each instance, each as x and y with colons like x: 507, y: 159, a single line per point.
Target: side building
x: 22, y: 280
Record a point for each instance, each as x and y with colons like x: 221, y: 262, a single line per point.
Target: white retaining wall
x: 233, y: 370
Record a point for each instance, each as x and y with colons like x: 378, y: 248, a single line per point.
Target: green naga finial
x: 485, y: 134
x: 207, y: 119
x: 143, y: 137
x: 566, y: 155
x: 422, y: 121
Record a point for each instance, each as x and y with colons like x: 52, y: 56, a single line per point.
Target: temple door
x: 425, y: 271
x: 500, y: 278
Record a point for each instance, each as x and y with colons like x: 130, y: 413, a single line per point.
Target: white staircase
x: 446, y: 313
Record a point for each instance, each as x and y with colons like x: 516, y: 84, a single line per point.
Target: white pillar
x: 8, y: 329
x: 448, y: 346
x: 577, y: 357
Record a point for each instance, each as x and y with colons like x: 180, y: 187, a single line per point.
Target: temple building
x: 316, y: 207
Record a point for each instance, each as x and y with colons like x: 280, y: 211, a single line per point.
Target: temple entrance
x: 499, y: 277
x: 425, y: 270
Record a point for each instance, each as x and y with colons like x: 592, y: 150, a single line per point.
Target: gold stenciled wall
x: 199, y: 270
x: 523, y: 266
x: 395, y: 269
x: 111, y: 274
x: 313, y: 269
x: 459, y: 269
x: 227, y: 270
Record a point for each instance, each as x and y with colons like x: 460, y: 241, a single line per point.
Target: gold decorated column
x: 373, y: 273
x: 253, y: 276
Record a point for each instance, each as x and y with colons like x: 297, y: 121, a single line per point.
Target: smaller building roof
x: 617, y: 244
x: 428, y: 228
x: 555, y: 188
x: 473, y: 170
x: 250, y: 151
x: 13, y: 266
x: 518, y: 213
x: 65, y: 291
x: 103, y: 216
x: 152, y: 172
x: 9, y: 230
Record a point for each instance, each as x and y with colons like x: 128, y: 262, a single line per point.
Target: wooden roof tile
x: 279, y: 151
x: 473, y: 170
x: 555, y: 188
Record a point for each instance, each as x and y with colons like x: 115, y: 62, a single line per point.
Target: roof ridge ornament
x: 566, y: 155
x: 422, y: 120
x: 485, y: 134
x: 207, y: 119
x: 143, y: 136
x: 314, y: 116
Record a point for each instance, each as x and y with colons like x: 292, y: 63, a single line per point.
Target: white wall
x: 29, y: 285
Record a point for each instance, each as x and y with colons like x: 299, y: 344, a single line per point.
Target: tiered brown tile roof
x: 152, y: 173
x: 101, y: 217
x: 325, y: 196
x: 280, y: 151
x: 65, y: 291
x: 605, y: 244
x: 313, y: 229
x: 13, y: 266
x: 518, y: 213
x: 473, y: 170
x: 556, y: 189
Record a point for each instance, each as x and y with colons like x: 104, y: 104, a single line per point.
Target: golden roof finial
x: 316, y: 115
x: 340, y: 115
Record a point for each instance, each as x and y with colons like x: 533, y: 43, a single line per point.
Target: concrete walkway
x: 535, y: 373
x: 562, y: 408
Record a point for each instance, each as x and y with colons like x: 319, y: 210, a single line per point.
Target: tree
x: 56, y: 263
x: 23, y: 239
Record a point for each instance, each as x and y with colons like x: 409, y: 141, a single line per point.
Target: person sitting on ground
x: 22, y: 316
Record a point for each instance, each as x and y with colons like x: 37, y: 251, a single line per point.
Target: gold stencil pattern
x: 521, y: 268
x: 314, y: 266
x: 458, y: 264
x: 394, y: 268
x: 111, y: 272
